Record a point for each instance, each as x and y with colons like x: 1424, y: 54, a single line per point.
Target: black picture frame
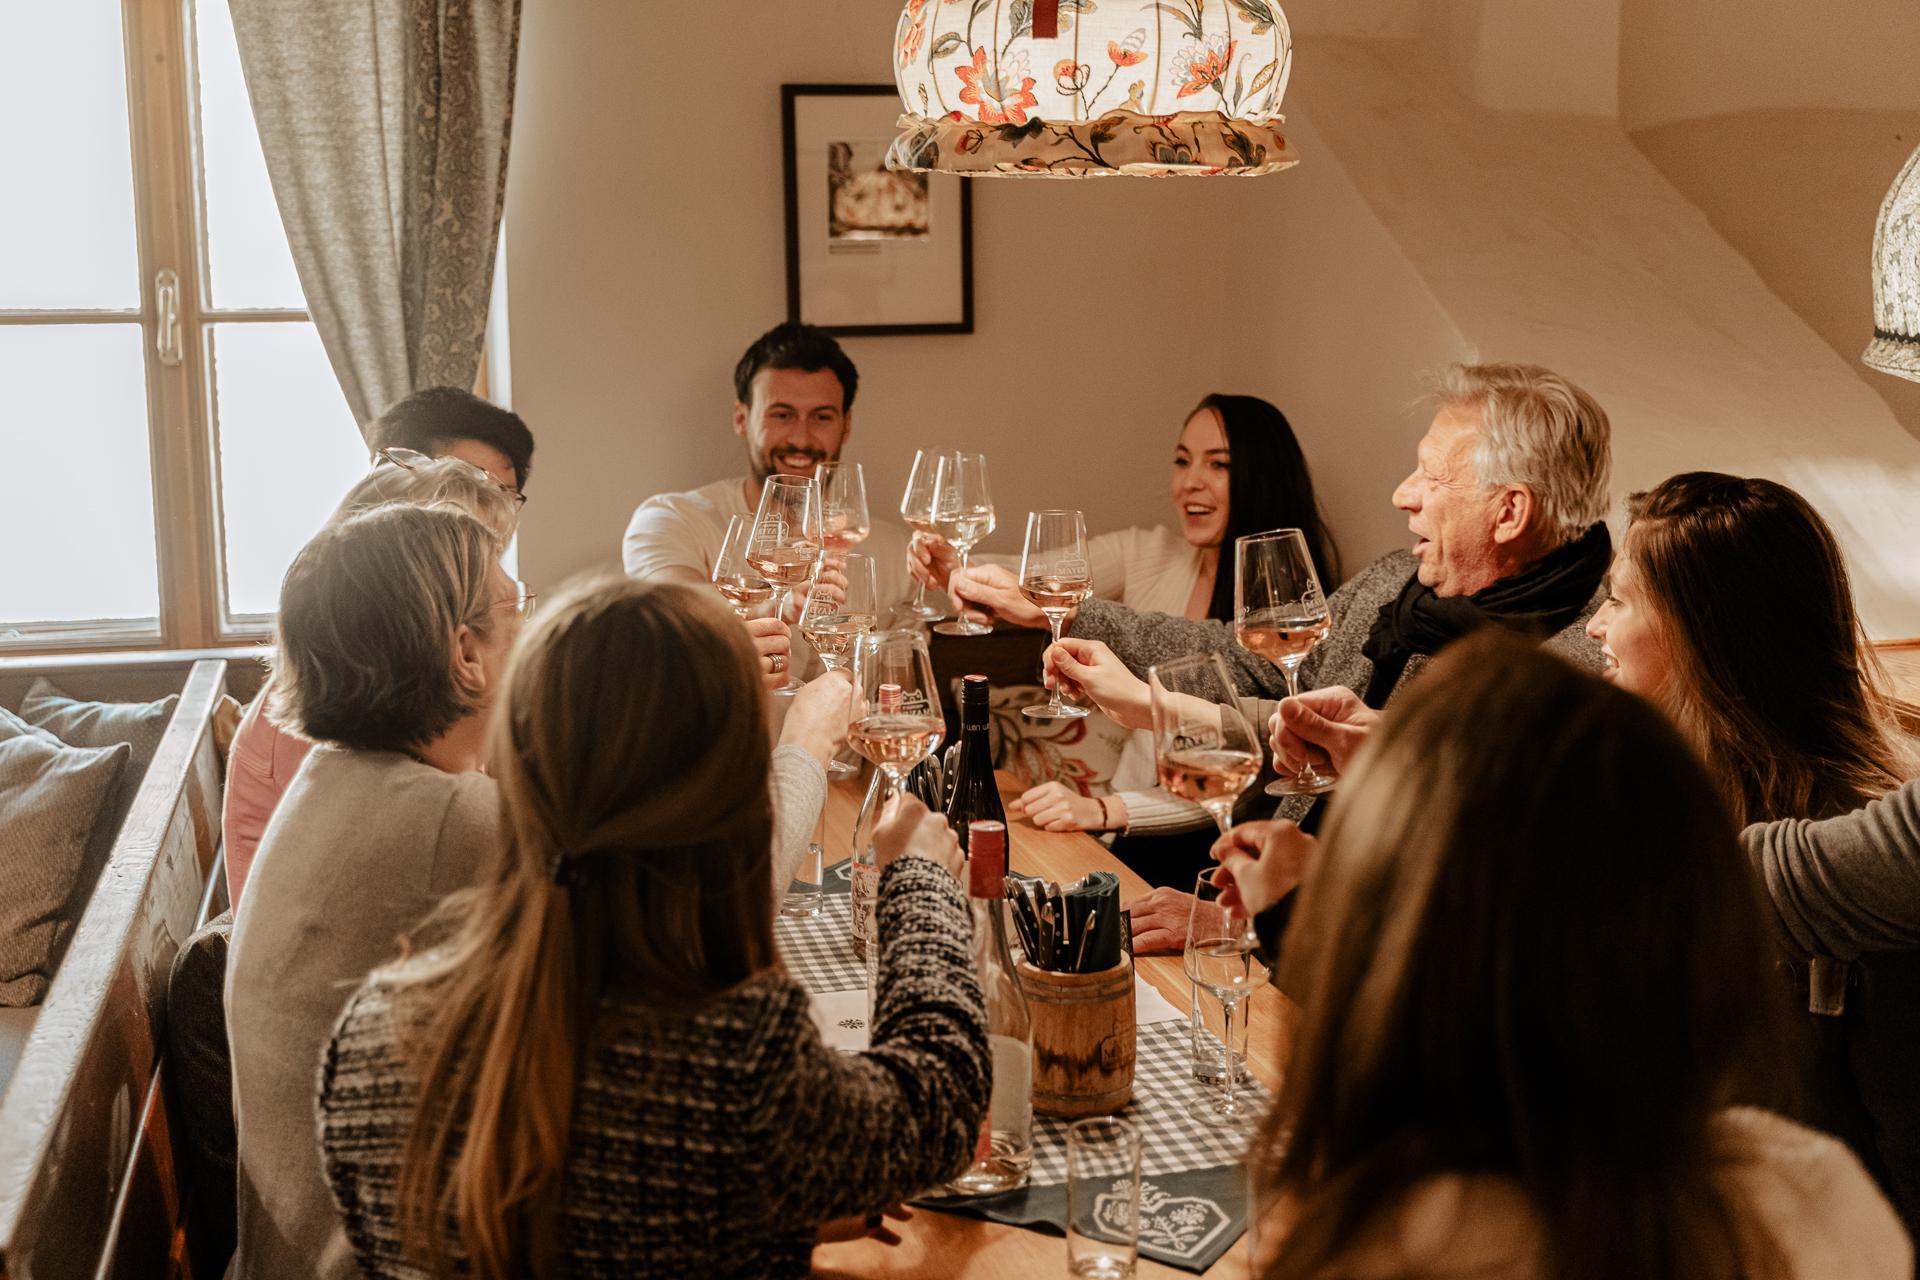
x: 790, y: 94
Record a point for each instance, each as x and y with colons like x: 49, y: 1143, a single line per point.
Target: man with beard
x: 793, y: 405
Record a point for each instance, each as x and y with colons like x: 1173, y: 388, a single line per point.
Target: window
x: 172, y: 429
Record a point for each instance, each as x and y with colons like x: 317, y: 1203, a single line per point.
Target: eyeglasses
x: 521, y: 602
x: 413, y: 459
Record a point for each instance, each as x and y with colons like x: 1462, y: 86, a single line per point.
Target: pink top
x: 264, y: 760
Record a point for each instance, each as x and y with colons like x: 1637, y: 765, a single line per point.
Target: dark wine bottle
x: 975, y: 797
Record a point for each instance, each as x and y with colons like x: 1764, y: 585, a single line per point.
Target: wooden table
x: 945, y: 1245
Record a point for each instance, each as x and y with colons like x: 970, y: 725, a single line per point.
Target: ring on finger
x: 777, y: 663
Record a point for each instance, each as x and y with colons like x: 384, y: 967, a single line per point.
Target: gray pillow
x: 78, y: 723
x: 52, y: 808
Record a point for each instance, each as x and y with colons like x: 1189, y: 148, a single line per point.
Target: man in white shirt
x: 793, y: 406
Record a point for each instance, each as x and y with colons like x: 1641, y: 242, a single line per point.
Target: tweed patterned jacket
x: 714, y: 1144
x: 1142, y: 639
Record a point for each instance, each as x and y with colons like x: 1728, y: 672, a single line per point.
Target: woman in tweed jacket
x: 604, y: 1069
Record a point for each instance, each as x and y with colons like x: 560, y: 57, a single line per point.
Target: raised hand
x: 1088, y: 670
x: 1266, y: 860
x: 1319, y: 726
x: 910, y: 829
x: 817, y: 716
x: 988, y: 591
x: 931, y: 559
x: 775, y: 647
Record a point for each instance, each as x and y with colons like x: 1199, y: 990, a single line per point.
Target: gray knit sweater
x: 714, y: 1144
x: 1847, y: 886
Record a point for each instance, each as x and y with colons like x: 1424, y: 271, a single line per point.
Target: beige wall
x: 1681, y: 59
x: 644, y: 252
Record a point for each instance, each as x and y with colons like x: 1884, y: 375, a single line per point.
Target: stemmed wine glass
x: 896, y: 708
x: 1055, y: 578
x: 843, y: 504
x: 834, y: 621
x: 1223, y: 959
x: 1280, y: 613
x: 786, y: 541
x: 916, y: 508
x: 1206, y: 750
x: 963, y: 515
x: 739, y: 582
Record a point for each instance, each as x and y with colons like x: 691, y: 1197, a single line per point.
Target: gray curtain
x: 385, y: 127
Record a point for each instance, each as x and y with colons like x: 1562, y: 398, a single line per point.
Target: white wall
x: 1522, y: 55
x: 1680, y: 59
x: 644, y: 251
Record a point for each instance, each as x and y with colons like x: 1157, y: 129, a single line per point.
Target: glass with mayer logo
x: 1055, y: 578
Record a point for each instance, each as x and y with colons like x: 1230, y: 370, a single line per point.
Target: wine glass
x: 916, y: 508
x: 896, y: 720
x: 962, y: 514
x: 1280, y: 613
x: 786, y: 541
x: 1055, y: 578
x: 1223, y: 959
x: 843, y: 504
x: 739, y: 582
x: 1206, y: 750
x: 834, y: 620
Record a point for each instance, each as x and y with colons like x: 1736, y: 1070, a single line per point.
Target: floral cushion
x: 1082, y: 752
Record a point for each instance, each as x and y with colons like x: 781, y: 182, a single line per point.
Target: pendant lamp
x: 1895, y: 347
x: 1079, y: 88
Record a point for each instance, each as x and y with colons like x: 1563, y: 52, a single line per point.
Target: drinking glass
x: 1055, y: 578
x: 896, y: 721
x: 1223, y: 959
x: 786, y: 541
x: 1205, y: 748
x: 806, y: 889
x: 843, y: 504
x: 834, y: 620
x: 739, y: 582
x: 1280, y: 613
x: 963, y: 515
x: 1211, y: 1052
x: 916, y: 508
x: 1103, y: 1198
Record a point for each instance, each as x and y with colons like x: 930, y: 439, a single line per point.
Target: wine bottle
x: 973, y: 796
x: 1004, y: 1153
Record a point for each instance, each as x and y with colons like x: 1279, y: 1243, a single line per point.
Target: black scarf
x: 1542, y: 598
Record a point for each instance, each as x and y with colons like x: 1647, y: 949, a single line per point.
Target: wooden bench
x: 88, y: 1186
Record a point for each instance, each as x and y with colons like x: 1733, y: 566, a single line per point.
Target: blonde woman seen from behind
x: 605, y: 1070
x: 1534, y: 977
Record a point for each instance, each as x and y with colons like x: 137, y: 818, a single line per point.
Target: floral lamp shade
x: 1895, y: 347
x: 1077, y: 88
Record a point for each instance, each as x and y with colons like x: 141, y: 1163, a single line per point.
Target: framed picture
x: 869, y: 251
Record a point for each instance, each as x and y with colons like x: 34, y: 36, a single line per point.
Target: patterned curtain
x: 385, y: 127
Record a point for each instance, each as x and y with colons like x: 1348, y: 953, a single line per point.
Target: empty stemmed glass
x: 835, y: 619
x: 786, y: 541
x: 916, y: 508
x: 1223, y: 959
x: 1055, y: 578
x: 962, y: 515
x: 1280, y: 613
x: 738, y: 581
x: 896, y: 721
x: 1204, y: 747
x: 844, y: 521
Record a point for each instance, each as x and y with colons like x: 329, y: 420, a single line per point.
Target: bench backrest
x: 87, y: 1180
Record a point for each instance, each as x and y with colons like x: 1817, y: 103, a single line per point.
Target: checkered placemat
x: 819, y: 955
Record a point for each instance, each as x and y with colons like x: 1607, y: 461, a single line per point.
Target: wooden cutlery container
x: 1083, y: 1039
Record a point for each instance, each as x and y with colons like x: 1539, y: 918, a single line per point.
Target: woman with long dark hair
x: 1237, y: 469
x: 1729, y: 607
x: 1533, y: 970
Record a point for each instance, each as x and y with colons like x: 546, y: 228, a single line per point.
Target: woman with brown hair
x: 1532, y: 968
x: 604, y: 1069
x: 1729, y: 607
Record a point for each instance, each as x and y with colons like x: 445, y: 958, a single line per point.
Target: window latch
x: 166, y: 300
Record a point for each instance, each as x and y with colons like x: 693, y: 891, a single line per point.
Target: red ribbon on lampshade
x: 1046, y: 19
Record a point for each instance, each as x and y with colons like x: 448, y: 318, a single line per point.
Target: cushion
x: 78, y: 723
x: 53, y: 801
x: 1082, y: 752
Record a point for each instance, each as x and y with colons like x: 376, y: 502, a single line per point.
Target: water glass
x: 805, y: 890
x: 1103, y: 1198
x: 1208, y: 1019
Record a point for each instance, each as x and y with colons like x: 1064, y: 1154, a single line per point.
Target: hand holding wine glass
x: 1223, y: 959
x: 1280, y: 613
x: 786, y: 541
x: 1055, y: 577
x: 963, y: 515
x: 916, y: 508
x: 1205, y: 749
x: 738, y: 582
